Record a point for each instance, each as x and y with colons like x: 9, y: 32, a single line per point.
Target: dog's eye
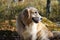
x: 35, y: 12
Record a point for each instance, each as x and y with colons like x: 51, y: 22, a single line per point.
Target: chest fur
x: 33, y: 31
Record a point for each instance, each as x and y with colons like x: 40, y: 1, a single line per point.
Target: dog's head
x: 32, y: 14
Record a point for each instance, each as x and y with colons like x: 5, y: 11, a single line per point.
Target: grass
x: 51, y: 25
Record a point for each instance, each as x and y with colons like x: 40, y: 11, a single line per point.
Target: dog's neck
x: 32, y: 29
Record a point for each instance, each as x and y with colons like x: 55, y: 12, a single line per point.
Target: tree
x: 48, y: 8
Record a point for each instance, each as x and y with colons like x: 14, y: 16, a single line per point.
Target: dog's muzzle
x: 36, y: 19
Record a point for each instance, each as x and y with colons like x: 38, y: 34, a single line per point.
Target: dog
x: 30, y: 27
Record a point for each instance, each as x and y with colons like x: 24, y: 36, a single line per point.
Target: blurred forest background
x: 9, y: 9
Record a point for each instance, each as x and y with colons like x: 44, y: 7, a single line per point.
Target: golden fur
x: 28, y: 29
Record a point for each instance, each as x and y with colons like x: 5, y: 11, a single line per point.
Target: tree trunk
x: 48, y: 8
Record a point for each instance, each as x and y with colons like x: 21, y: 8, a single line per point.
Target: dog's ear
x: 26, y: 13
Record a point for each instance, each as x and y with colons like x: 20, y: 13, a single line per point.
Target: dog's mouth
x: 36, y: 19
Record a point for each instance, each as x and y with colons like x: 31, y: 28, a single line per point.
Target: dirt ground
x: 9, y: 35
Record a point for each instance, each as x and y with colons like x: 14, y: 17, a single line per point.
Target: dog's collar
x: 23, y: 24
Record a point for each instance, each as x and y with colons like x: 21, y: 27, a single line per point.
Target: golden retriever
x: 30, y: 27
